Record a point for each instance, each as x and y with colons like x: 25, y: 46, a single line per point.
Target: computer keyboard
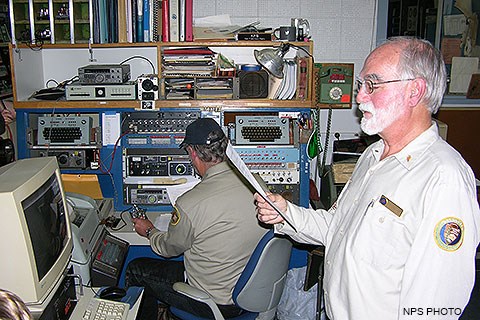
x: 99, y: 309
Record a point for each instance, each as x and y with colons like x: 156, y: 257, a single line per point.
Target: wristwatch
x: 148, y: 231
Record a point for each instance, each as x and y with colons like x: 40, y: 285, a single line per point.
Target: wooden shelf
x: 23, y: 80
x: 135, y: 104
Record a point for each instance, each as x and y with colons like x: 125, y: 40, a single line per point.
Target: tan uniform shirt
x: 215, y: 226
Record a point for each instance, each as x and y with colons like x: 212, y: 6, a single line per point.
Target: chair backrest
x: 261, y: 283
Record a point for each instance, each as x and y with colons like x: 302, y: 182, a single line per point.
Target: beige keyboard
x: 99, y: 309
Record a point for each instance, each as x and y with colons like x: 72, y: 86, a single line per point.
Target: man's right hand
x: 141, y: 225
x: 265, y: 212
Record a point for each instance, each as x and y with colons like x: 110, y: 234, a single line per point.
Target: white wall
x: 343, y: 31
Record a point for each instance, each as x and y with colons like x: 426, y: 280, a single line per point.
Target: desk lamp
x: 272, y: 58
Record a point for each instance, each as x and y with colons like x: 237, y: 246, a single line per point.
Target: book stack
x: 180, y: 68
x: 188, y: 62
x: 144, y: 20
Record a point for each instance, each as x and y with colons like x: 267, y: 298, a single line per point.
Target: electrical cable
x: 327, y: 142
x: 140, y: 57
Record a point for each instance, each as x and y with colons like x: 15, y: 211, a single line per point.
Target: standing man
x: 213, y: 225
x: 401, y: 238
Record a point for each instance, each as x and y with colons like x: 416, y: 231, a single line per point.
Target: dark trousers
x: 157, y: 276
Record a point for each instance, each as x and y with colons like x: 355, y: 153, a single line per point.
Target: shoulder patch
x: 449, y: 233
x: 175, y: 217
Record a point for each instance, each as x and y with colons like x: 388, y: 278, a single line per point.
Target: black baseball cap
x: 197, y: 132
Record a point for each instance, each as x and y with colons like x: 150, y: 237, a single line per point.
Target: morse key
x: 137, y: 213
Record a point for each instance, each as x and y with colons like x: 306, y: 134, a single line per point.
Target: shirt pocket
x: 381, y: 238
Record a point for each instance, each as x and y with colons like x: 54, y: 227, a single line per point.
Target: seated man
x: 213, y: 225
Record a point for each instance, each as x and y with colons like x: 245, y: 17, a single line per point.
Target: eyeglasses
x: 370, y: 86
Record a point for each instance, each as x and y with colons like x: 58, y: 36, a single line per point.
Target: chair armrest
x: 198, y: 295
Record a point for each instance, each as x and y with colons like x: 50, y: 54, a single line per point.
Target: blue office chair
x: 259, y: 288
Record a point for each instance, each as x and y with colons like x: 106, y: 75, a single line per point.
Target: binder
x: 122, y: 21
x: 165, y: 21
x: 96, y: 21
x: 140, y: 35
x: 150, y: 17
x: 112, y: 21
x: 156, y: 20
x: 174, y: 27
x: 128, y: 18
x: 103, y: 21
x: 181, y: 20
x: 189, y: 20
x: 134, y: 19
x: 146, y: 20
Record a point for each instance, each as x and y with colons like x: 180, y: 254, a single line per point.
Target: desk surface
x: 128, y: 234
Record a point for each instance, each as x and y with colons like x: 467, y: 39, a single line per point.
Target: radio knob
x: 63, y: 158
x: 180, y: 169
x: 99, y: 78
x: 152, y: 199
x: 147, y: 85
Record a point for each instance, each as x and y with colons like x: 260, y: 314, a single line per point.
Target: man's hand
x: 141, y: 226
x: 8, y: 115
x: 265, y: 212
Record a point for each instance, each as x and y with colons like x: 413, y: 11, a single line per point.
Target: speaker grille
x: 253, y: 84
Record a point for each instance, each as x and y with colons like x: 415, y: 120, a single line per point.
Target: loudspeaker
x: 253, y: 84
x: 148, y: 87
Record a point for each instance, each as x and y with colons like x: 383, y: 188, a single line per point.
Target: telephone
x: 334, y: 84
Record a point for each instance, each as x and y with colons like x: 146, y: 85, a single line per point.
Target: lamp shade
x: 272, y: 59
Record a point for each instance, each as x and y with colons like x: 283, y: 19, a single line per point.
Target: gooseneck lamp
x: 271, y: 59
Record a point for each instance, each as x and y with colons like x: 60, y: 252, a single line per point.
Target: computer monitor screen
x: 36, y: 242
x: 45, y: 217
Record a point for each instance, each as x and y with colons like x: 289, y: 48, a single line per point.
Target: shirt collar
x: 216, y: 169
x: 411, y: 152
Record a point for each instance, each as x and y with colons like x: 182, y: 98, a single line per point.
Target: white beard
x: 380, y: 118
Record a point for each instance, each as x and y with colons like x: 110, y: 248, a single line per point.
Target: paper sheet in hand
x: 238, y: 162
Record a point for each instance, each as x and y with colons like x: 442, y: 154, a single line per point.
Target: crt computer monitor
x: 35, y: 240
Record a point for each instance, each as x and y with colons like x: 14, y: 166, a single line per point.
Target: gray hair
x: 214, y: 152
x: 420, y: 59
x: 12, y: 307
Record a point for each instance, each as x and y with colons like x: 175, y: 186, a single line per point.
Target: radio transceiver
x: 125, y: 91
x: 104, y: 74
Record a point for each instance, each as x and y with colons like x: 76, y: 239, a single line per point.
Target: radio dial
x: 152, y: 199
x: 99, y: 78
x: 63, y: 158
x: 180, y: 169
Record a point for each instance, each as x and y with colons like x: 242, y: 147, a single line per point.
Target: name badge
x: 387, y: 203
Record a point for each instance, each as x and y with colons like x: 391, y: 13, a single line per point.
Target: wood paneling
x: 464, y: 134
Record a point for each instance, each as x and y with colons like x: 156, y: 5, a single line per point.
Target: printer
x: 98, y: 256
